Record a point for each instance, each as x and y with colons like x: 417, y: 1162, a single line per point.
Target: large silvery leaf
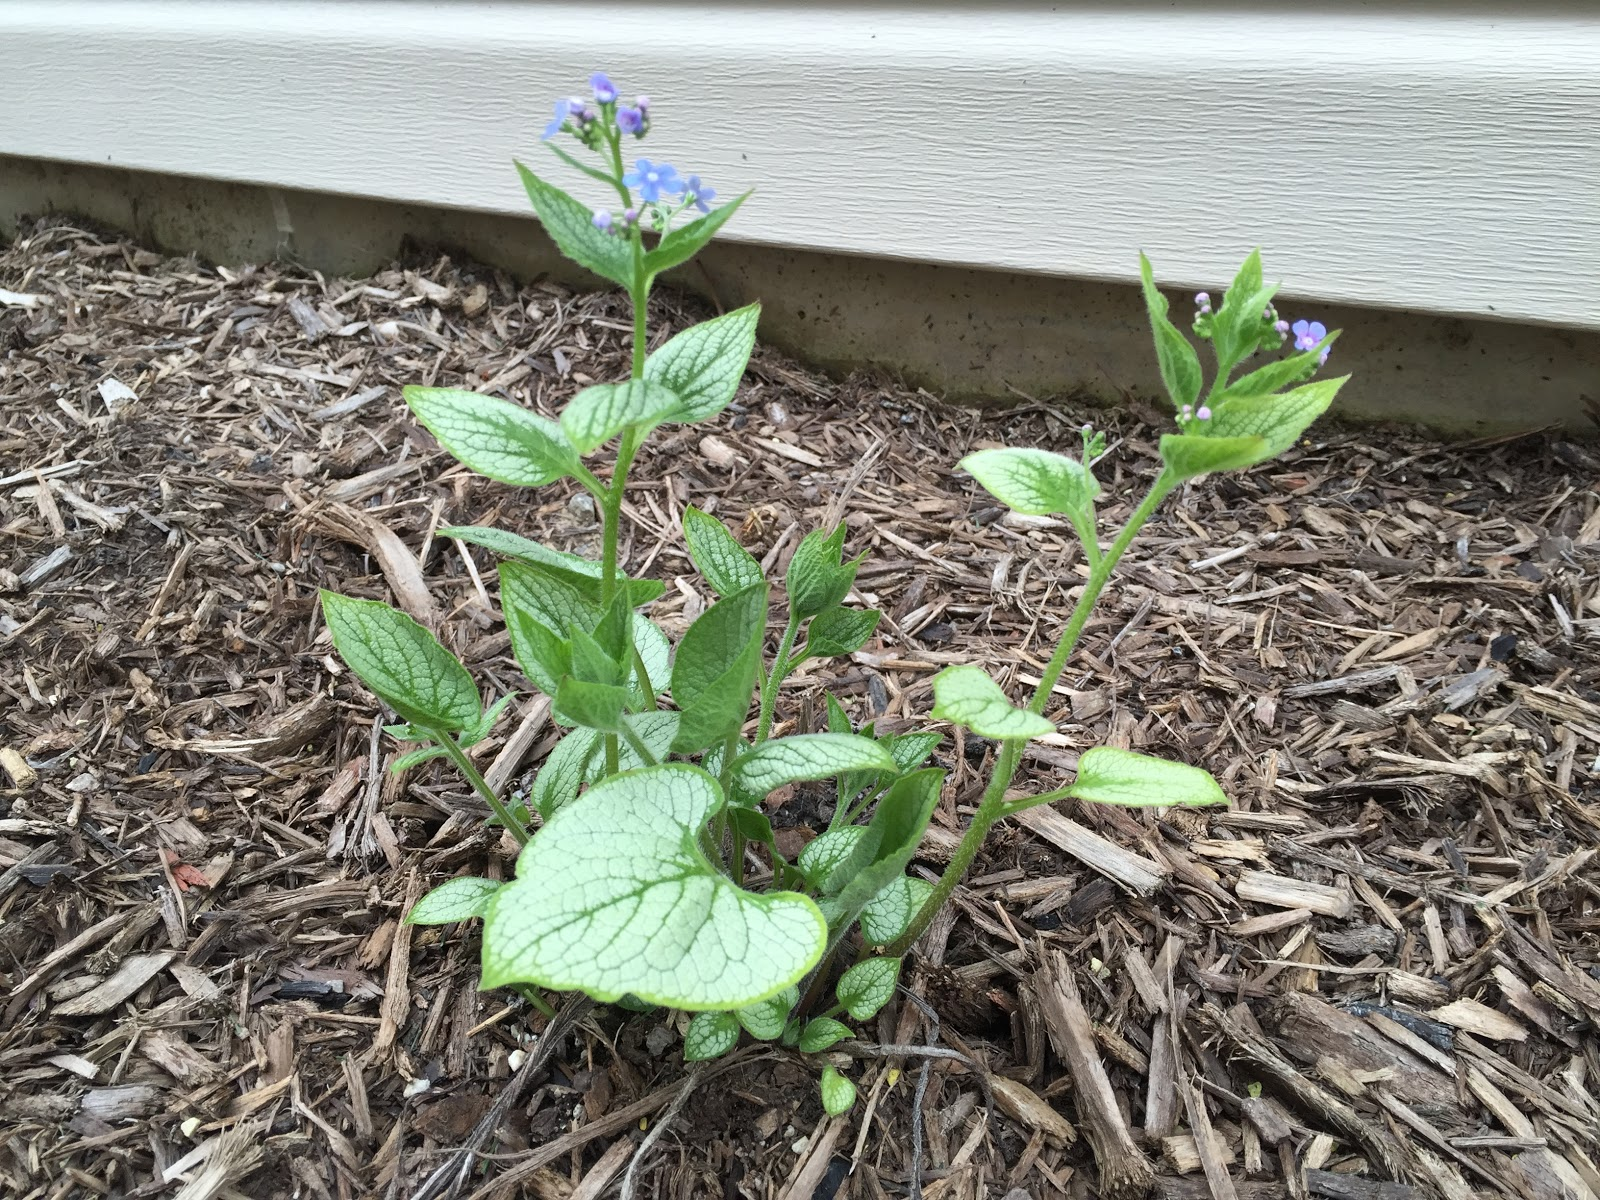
x: 705, y: 363
x: 967, y: 696
x: 684, y: 242
x: 614, y: 897
x: 1180, y: 365
x: 403, y: 664
x: 727, y: 566
x: 494, y: 437
x: 1107, y: 775
x: 1035, y: 482
x: 714, y: 673
x: 808, y: 756
x: 597, y: 414
x: 570, y: 224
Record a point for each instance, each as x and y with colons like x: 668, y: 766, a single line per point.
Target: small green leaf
x: 614, y: 896
x: 892, y: 837
x: 486, y: 722
x: 838, y: 719
x: 910, y: 750
x: 889, y: 913
x: 715, y: 669
x: 591, y: 663
x: 710, y: 1035
x: 1035, y: 482
x: 416, y: 758
x: 727, y: 566
x: 579, y: 574
x: 494, y: 437
x: 1187, y: 455
x: 822, y: 1032
x: 547, y: 598
x: 836, y: 632
x: 655, y: 729
x: 684, y: 242
x: 1279, y: 373
x: 597, y: 414
x: 1237, y: 326
x: 868, y: 986
x: 591, y: 705
x: 570, y: 224
x: 817, y: 579
x: 967, y: 696
x: 752, y: 823
x: 1180, y: 365
x: 1107, y: 775
x: 564, y: 772
x: 458, y: 899
x: 765, y: 1020
x: 545, y: 658
x: 808, y: 756
x: 402, y: 663
x: 822, y: 857
x: 838, y: 1093
x: 705, y: 363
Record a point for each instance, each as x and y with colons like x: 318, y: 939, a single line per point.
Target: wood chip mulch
x: 1376, y: 975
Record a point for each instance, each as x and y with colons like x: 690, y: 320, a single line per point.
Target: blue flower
x: 697, y: 194
x: 631, y: 120
x: 602, y: 221
x: 604, y: 90
x: 1308, y: 333
x: 652, y: 179
x: 563, y: 111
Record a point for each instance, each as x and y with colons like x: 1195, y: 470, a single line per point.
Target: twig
x: 451, y: 1175
x: 685, y: 1090
x: 914, y: 1185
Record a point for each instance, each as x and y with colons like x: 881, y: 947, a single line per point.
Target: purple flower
x: 604, y: 90
x: 631, y: 120
x: 653, y: 179
x: 563, y: 111
x: 1202, y: 299
x: 642, y: 103
x: 602, y: 221
x: 1308, y: 333
x: 1203, y: 413
x: 630, y: 216
x: 697, y: 194
x: 1282, y: 327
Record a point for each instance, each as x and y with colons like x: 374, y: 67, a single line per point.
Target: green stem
x: 480, y: 785
x: 633, y: 739
x: 993, y: 806
x: 528, y: 993
x: 781, y: 666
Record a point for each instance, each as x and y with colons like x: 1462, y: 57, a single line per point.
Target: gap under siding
x: 961, y: 333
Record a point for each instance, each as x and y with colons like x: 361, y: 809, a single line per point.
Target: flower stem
x: 993, y: 806
x: 480, y: 785
x: 781, y: 666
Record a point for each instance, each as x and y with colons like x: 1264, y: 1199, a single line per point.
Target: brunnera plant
x: 648, y: 872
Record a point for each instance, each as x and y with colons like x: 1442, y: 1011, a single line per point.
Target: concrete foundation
x: 964, y: 334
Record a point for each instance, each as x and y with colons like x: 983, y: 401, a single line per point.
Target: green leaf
x: 765, y: 1019
x: 821, y: 858
x: 655, y: 729
x: 1035, y: 482
x: 591, y: 663
x: 726, y: 565
x: 570, y: 224
x: 544, y: 657
x: 710, y: 1035
x: 458, y: 899
x: 494, y: 437
x: 816, y: 578
x: 889, y: 913
x: 868, y: 986
x: 822, y: 1032
x: 577, y: 573
x: 402, y: 663
x: 591, y: 705
x: 968, y: 697
x: 752, y: 823
x: 892, y: 837
x: 415, y: 758
x: 838, y: 1093
x: 597, y: 414
x: 705, y: 363
x: 1238, y: 324
x: 1180, y: 365
x: 836, y: 632
x: 715, y: 669
x: 655, y: 652
x: 684, y: 242
x: 1107, y: 775
x: 808, y: 756
x: 564, y: 772
x: 838, y: 719
x: 486, y: 723
x: 614, y: 896
x: 909, y: 750
x: 1279, y: 373
x: 548, y: 599
x: 1187, y: 455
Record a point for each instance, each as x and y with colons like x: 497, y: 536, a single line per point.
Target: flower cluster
x: 1272, y: 331
x: 600, y: 125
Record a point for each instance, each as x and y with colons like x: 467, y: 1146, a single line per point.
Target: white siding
x: 1442, y: 157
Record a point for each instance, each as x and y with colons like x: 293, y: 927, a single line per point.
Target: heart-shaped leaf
x: 403, y: 664
x: 710, y: 1035
x: 727, y: 566
x: 765, y: 1019
x: 888, y: 914
x: 597, y: 414
x: 1107, y: 775
x: 967, y: 696
x: 494, y: 437
x: 822, y: 1032
x: 1036, y: 482
x: 614, y: 897
x: 705, y: 363
x: 454, y: 900
x: 838, y: 1093
x: 808, y: 756
x: 868, y: 986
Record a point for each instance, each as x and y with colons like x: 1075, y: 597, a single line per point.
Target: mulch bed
x: 1379, y: 964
